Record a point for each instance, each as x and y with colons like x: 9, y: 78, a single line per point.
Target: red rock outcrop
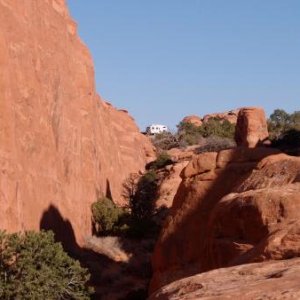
x: 61, y: 146
x: 184, y: 154
x: 231, y: 116
x: 195, y: 120
x: 274, y: 280
x: 251, y: 128
x: 233, y: 207
x: 170, y: 183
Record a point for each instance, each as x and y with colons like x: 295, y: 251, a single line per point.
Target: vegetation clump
x: 34, y: 266
x: 284, y: 131
x: 189, y: 134
x: 280, y: 122
x: 166, y: 141
x: 192, y: 134
x: 106, y: 215
x: 142, y: 201
x: 141, y: 193
x: 163, y: 160
x: 215, y: 144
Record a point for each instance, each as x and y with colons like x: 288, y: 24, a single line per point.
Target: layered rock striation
x: 61, y: 146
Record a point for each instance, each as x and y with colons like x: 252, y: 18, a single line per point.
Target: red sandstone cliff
x: 61, y: 146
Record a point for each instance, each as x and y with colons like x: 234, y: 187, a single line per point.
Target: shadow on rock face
x: 62, y: 228
x: 112, y: 276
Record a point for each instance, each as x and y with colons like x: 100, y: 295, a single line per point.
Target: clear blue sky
x: 165, y: 59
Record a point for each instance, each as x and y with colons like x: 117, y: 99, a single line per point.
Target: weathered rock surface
x: 184, y: 154
x: 61, y: 146
x: 239, y: 206
x: 170, y: 183
x: 274, y: 280
x: 195, y: 120
x: 251, y: 128
x: 231, y: 116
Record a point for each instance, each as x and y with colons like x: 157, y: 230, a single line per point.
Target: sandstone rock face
x: 231, y: 116
x: 251, y: 128
x: 184, y: 154
x: 237, y: 206
x: 61, y: 146
x: 171, y: 176
x: 195, y: 120
x: 274, y: 280
x: 170, y: 183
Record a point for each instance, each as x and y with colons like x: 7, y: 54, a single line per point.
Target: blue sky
x: 165, y: 59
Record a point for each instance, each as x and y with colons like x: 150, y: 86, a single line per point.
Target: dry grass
x: 109, y: 246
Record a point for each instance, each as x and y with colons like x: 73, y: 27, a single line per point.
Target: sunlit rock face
x: 233, y: 207
x: 251, y: 128
x: 267, y: 280
x: 230, y: 116
x: 195, y: 120
x: 61, y: 146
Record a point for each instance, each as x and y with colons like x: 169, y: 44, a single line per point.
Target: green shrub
x: 142, y: 203
x: 217, y: 127
x: 162, y: 160
x: 141, y: 193
x: 105, y: 215
x: 190, y: 134
x: 33, y: 266
x: 280, y: 122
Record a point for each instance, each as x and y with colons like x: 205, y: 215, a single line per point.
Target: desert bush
x: 165, y: 141
x: 217, y: 127
x: 141, y: 194
x: 142, y: 202
x: 281, y: 122
x: 105, y: 215
x: 288, y: 142
x: 34, y: 266
x: 163, y: 159
x: 190, y: 134
x: 110, y: 246
x: 215, y: 144
x: 295, y: 120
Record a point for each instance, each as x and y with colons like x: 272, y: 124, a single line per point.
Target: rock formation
x: 269, y: 280
x: 233, y: 207
x: 195, y: 120
x: 169, y: 184
x: 61, y: 146
x: 231, y: 116
x: 251, y: 128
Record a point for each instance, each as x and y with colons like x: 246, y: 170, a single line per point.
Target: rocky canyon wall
x: 233, y: 207
x: 61, y: 146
